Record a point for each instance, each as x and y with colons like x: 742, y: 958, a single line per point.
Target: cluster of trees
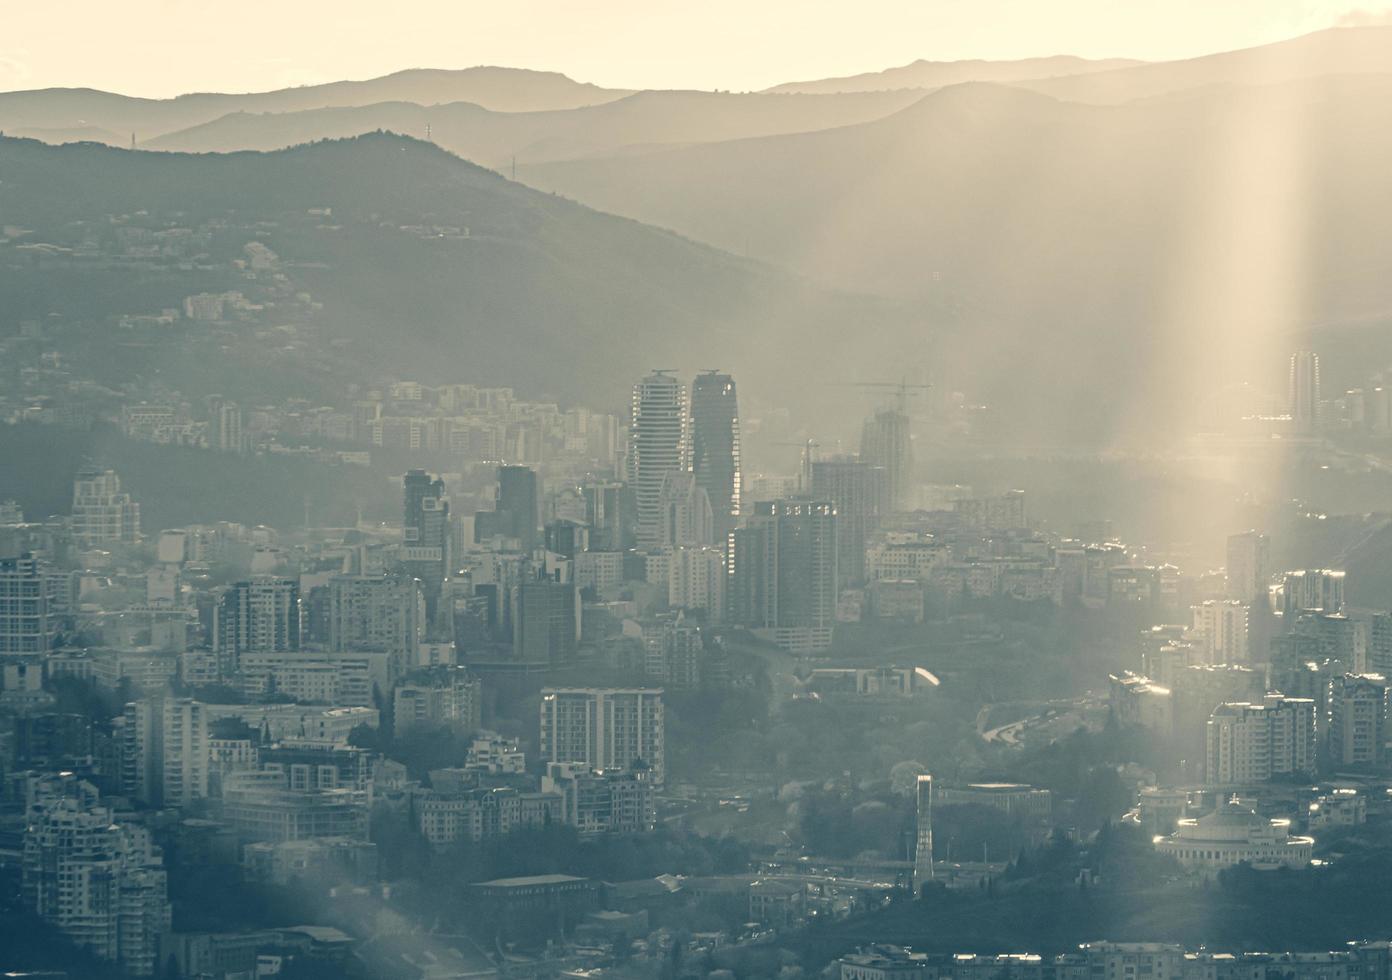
x: 1081, y: 771
x: 552, y: 849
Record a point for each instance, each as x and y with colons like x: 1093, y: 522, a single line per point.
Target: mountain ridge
x: 926, y: 74
x: 522, y: 271
x: 643, y: 119
x: 505, y: 89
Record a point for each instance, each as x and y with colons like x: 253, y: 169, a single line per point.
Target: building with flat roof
x: 1012, y: 799
x: 536, y: 907
x: 604, y: 728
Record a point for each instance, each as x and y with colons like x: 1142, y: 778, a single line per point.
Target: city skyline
x: 995, y: 584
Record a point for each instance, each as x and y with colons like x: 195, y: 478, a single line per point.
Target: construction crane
x: 902, y: 389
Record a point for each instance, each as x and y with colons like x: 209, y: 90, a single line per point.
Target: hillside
x: 923, y: 74
x: 420, y: 264
x: 39, y: 112
x: 1337, y: 51
x: 1075, y: 241
x: 637, y: 122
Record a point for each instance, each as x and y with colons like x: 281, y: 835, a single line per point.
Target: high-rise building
x: 446, y: 695
x: 1358, y: 719
x: 567, y: 538
x: 1380, y: 644
x: 517, y: 508
x: 610, y: 512
x: 29, y: 618
x: 261, y: 614
x: 1305, y: 391
x: 100, y: 882
x: 1001, y: 513
x: 673, y: 651
x: 860, y: 492
x: 657, y: 446
x: 1312, y: 590
x: 697, y: 580
x: 1326, y: 637
x: 545, y: 620
x: 884, y: 441
x: 923, y: 826
x: 715, y: 448
x: 1253, y: 742
x: 376, y: 612
x: 425, y: 544
x: 1249, y: 566
x: 687, y: 518
x: 604, y: 728
x: 783, y: 573
x: 1221, y: 631
x: 101, y: 514
x: 184, y: 752
x: 165, y: 751
x: 225, y: 426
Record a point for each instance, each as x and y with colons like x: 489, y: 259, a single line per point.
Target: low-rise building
x: 1234, y: 834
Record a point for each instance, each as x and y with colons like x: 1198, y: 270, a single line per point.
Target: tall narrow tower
x: 657, y: 447
x: 715, y: 448
x: 923, y: 852
x: 425, y: 544
x: 884, y: 441
x: 1305, y: 391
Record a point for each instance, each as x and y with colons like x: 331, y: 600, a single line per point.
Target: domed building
x: 1232, y: 834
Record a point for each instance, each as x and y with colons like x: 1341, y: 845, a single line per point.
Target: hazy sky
x: 163, y: 47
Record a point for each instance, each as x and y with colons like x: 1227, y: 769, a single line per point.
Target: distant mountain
x: 499, y: 89
x: 410, y: 262
x: 1337, y: 51
x: 1074, y: 242
x: 635, y: 123
x: 935, y: 74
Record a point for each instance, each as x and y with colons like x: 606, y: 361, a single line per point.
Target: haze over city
x: 163, y: 48
x: 896, y: 491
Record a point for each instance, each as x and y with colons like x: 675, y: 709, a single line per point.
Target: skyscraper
x: 1305, y: 391
x: 884, y: 441
x: 101, y: 514
x: 425, y: 551
x: 519, y: 505
x: 715, y: 447
x: 657, y: 447
x: 860, y: 492
x: 783, y: 573
x: 1249, y: 566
